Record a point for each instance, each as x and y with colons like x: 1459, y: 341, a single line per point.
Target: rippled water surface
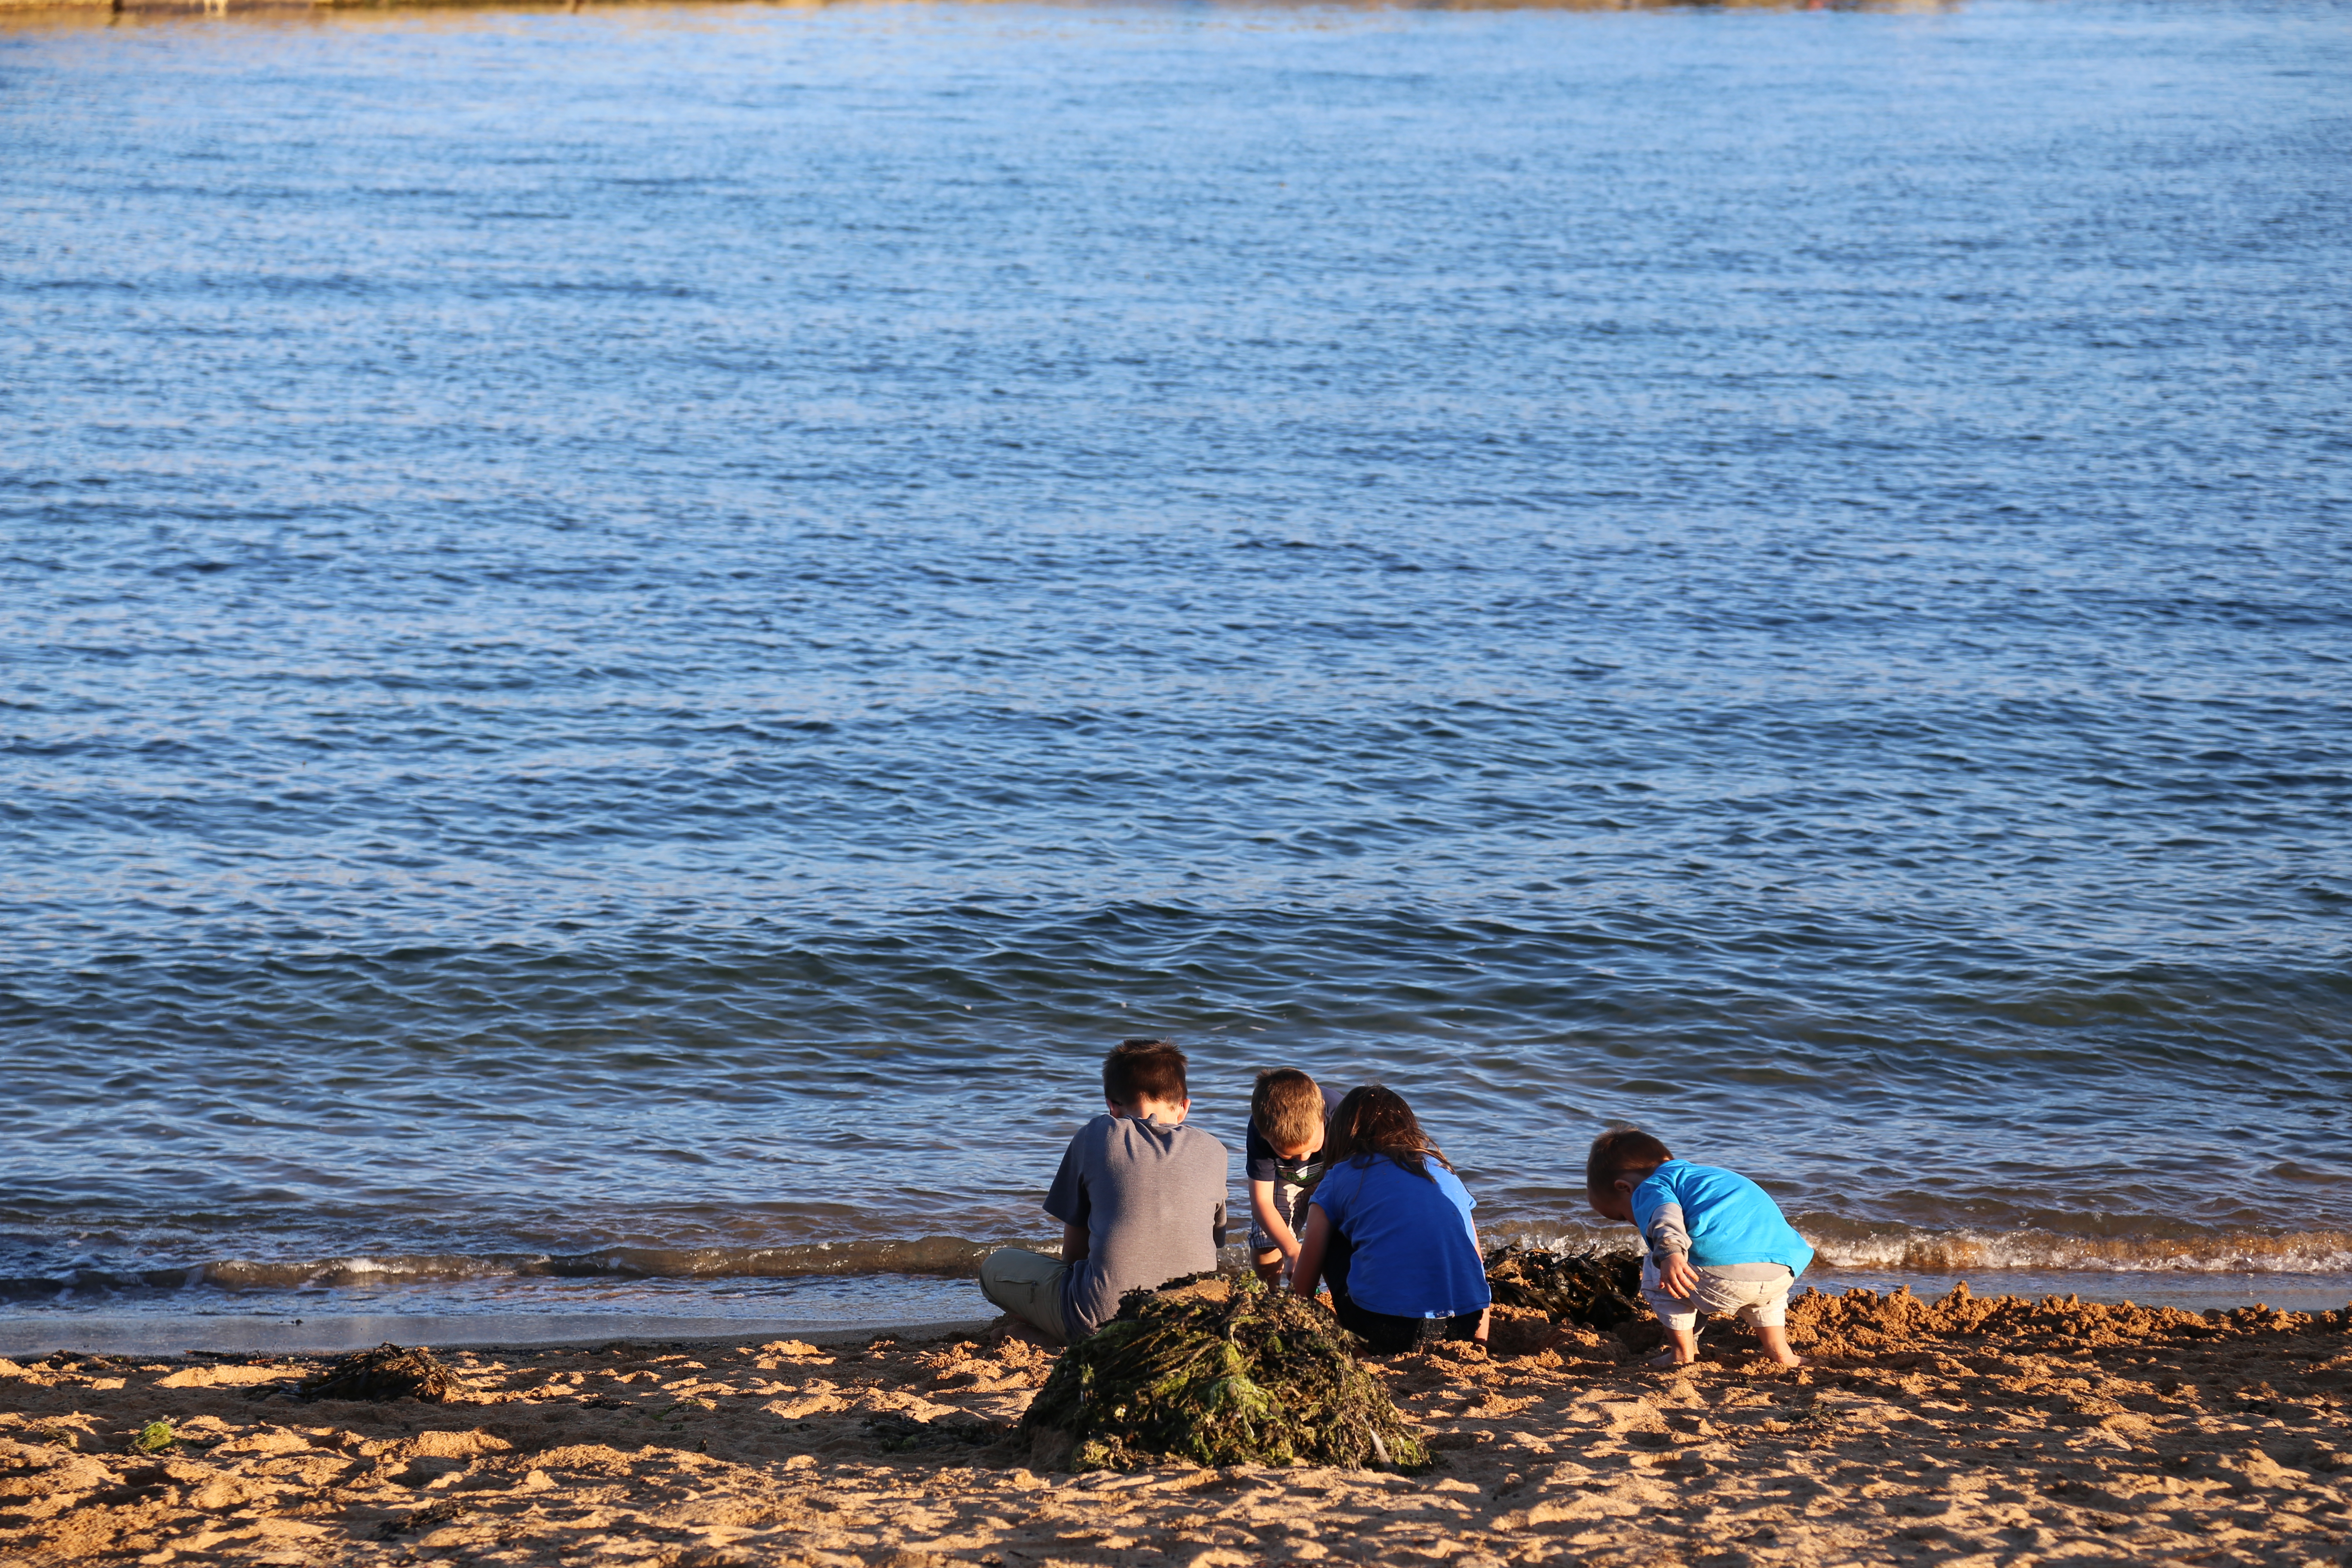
x: 630, y: 638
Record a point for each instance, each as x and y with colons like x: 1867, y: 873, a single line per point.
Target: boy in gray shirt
x: 1141, y: 1198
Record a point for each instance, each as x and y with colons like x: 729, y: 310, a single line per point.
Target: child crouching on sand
x: 1283, y: 1158
x: 1390, y: 1224
x: 1716, y: 1241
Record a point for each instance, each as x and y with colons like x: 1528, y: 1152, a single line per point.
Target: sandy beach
x: 1991, y: 1430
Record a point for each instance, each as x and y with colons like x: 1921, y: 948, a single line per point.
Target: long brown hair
x: 1375, y: 1120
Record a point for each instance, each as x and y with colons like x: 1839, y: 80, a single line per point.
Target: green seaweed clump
x: 1220, y: 1374
x: 384, y: 1373
x: 155, y: 1437
x: 1596, y: 1287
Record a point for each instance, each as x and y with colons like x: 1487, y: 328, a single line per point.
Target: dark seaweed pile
x: 1598, y: 1288
x: 897, y: 1433
x: 384, y: 1373
x: 1224, y: 1375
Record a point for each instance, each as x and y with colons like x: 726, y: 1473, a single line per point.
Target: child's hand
x: 1676, y: 1278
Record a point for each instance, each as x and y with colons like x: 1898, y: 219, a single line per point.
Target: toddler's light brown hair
x: 1621, y: 1152
x: 1287, y: 1107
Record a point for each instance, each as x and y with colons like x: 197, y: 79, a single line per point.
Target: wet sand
x: 1990, y: 1430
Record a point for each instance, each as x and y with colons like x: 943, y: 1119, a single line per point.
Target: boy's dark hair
x: 1622, y: 1152
x: 1375, y: 1120
x: 1144, y: 1069
x: 1287, y: 1107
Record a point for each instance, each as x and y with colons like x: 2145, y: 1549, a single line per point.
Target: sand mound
x: 1864, y: 1324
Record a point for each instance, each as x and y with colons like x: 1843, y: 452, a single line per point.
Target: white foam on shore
x: 1846, y: 1246
x: 1945, y: 1252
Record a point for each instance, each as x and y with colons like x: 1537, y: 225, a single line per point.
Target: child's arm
x: 1487, y: 1313
x: 1670, y: 1246
x: 1308, y: 1272
x: 1262, y: 1210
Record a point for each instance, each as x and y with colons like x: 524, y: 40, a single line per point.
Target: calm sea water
x: 629, y: 639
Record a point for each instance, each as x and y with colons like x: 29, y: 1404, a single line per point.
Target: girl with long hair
x: 1390, y: 1224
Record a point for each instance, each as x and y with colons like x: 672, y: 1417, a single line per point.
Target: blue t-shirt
x: 1410, y: 1248
x: 1730, y: 1218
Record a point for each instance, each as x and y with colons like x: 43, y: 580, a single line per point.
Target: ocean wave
x: 1911, y: 1252
x: 1952, y: 1252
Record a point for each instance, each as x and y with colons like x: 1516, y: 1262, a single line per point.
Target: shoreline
x: 1964, y: 1430
x: 534, y: 1332
x: 173, y: 1329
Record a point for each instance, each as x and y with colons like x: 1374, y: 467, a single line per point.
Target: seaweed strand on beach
x: 1220, y: 1374
x: 1597, y: 1288
x: 387, y: 1372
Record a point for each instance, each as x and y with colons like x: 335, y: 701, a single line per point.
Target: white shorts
x: 1760, y: 1303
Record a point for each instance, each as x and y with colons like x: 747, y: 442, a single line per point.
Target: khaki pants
x: 1758, y: 1303
x: 1028, y: 1285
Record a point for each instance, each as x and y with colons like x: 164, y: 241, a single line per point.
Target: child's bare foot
x: 1008, y: 1327
x: 1682, y: 1348
x: 1774, y: 1342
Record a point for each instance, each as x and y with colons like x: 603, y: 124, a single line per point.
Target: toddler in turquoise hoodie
x: 1716, y: 1241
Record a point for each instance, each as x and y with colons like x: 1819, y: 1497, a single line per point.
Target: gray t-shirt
x: 1152, y: 1198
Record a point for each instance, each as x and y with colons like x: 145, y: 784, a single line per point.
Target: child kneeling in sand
x: 1141, y: 1198
x: 1389, y: 1222
x: 1716, y: 1241
x: 1282, y: 1156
